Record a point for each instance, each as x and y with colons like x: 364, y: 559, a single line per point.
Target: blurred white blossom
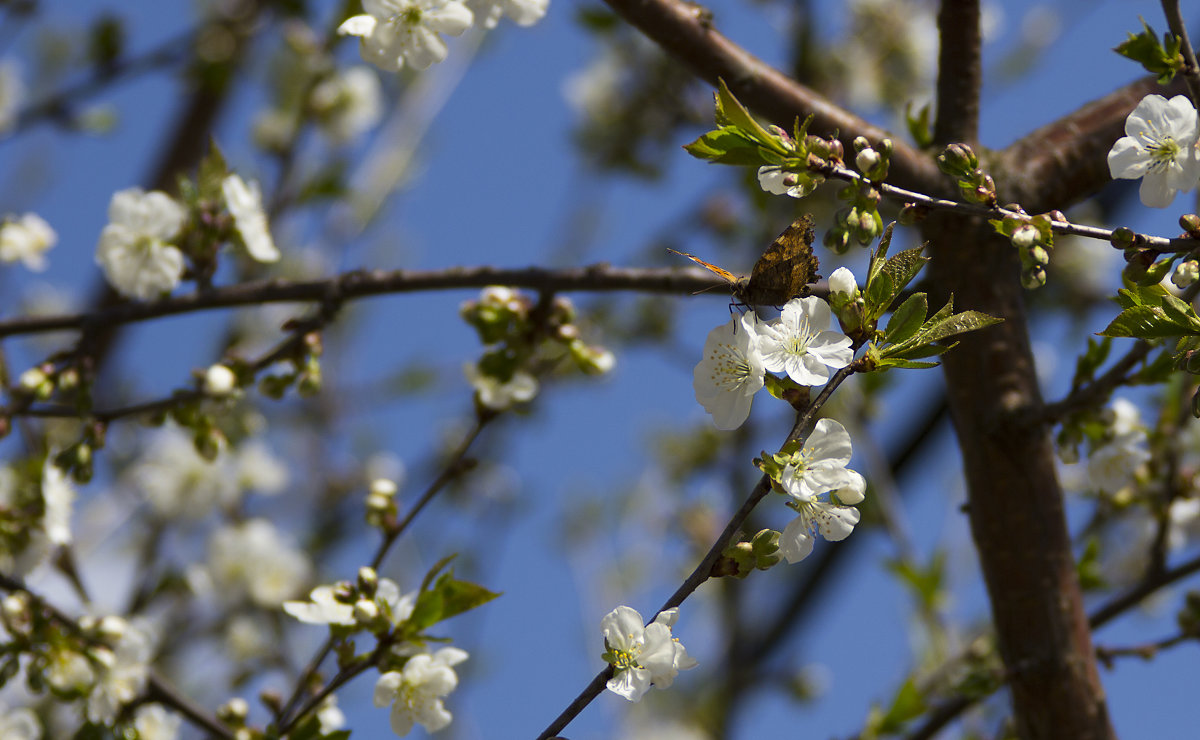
x: 348, y: 104
x: 27, y: 239
x: 252, y: 559
x: 122, y: 672
x: 244, y: 201
x: 154, y: 722
x: 19, y: 724
x: 135, y: 250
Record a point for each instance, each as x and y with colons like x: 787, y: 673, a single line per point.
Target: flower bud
x: 1122, y: 238
x: 365, y: 611
x: 368, y: 580
x: 843, y: 284
x: 867, y: 160
x: 1024, y: 237
x: 383, y: 487
x: 234, y: 711
x: 219, y: 380
x: 1190, y: 223
x: 1186, y: 273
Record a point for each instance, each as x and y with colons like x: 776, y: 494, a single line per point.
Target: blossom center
x: 733, y: 370
x: 1162, y: 148
x: 623, y: 659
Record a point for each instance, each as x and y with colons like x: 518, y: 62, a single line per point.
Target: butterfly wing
x: 785, y: 268
x: 726, y: 275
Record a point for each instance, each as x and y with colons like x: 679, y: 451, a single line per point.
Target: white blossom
x: 730, y: 372
x: 26, y: 239
x: 800, y: 343
x: 1114, y: 465
x: 244, y: 201
x: 348, y: 104
x: 415, y: 692
x: 329, y: 716
x: 642, y: 656
x: 499, y: 395
x: 122, y: 674
x: 135, y: 250
x: 58, y: 496
x: 324, y: 608
x: 256, y: 468
x: 820, y: 468
x: 779, y: 181
x: 251, y: 558
x: 1159, y: 147
x: 19, y: 724
x: 154, y: 722
x: 393, y: 32
x: 177, y: 481
x: 522, y: 12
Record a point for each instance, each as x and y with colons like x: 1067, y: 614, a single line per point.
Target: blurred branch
x: 362, y: 283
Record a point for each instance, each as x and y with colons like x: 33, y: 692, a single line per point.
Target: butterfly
x: 780, y: 274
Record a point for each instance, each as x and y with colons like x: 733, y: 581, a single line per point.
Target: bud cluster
x: 959, y: 161
x: 521, y: 338
x: 1033, y: 237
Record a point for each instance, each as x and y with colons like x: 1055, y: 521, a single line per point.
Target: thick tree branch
x: 685, y: 31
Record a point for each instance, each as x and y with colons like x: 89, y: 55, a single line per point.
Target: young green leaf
x: 907, y: 319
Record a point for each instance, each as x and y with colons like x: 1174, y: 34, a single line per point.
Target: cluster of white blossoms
x: 137, y: 250
x: 1160, y: 147
x: 179, y: 483
x: 398, y: 32
x: 324, y: 606
x: 34, y: 540
x: 252, y: 560
x: 1114, y: 465
x: 26, y: 239
x: 737, y: 355
x: 414, y: 691
x: 819, y: 469
x: 642, y: 655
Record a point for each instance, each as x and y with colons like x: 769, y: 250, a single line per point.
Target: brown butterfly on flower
x: 781, y: 273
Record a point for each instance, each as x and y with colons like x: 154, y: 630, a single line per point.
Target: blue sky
x: 497, y: 174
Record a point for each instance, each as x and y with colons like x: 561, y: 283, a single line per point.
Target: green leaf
x: 1180, y: 312
x: 896, y: 362
x: 891, y: 278
x: 907, y: 705
x: 959, y: 323
x: 1156, y: 272
x: 1090, y: 361
x: 731, y: 112
x: 1144, y: 322
x: 726, y: 145
x: 1156, y: 58
x: 447, y: 598
x: 907, y: 319
x: 778, y: 386
x: 1088, y: 568
x: 918, y: 126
